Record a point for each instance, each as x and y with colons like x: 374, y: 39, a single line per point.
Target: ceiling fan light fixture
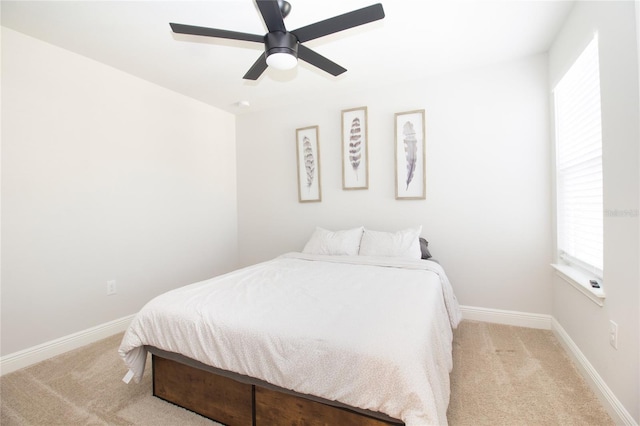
x: 282, y: 61
x: 281, y: 49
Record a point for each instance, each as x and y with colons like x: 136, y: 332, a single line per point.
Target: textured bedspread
x: 373, y: 333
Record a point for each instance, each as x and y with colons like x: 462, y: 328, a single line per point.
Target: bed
x: 303, y: 336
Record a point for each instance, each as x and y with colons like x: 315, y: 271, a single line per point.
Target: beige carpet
x: 505, y: 375
x: 502, y: 376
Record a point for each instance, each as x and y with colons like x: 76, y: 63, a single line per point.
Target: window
x: 579, y: 164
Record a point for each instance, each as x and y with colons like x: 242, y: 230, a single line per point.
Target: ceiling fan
x: 283, y: 48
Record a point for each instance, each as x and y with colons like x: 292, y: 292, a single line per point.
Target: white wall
x: 586, y: 323
x: 637, y: 3
x: 486, y: 214
x: 104, y: 176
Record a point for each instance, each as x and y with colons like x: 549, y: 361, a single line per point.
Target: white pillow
x: 405, y: 243
x: 345, y: 242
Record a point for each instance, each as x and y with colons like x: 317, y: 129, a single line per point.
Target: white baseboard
x: 35, y: 354
x: 520, y: 319
x: 616, y: 410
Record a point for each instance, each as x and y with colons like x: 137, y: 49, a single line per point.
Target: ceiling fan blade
x: 339, y: 23
x: 256, y: 69
x: 271, y: 14
x: 319, y: 61
x: 212, y: 32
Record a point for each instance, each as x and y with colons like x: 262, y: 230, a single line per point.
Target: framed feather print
x: 355, y: 161
x: 308, y: 156
x: 410, y: 155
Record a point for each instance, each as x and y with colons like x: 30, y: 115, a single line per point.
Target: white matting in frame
x: 355, y: 156
x: 308, y: 156
x: 410, y: 155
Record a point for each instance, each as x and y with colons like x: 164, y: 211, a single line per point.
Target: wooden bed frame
x: 239, y: 400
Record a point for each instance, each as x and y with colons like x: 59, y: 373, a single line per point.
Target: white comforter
x: 373, y: 333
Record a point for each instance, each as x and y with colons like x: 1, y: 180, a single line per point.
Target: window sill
x: 580, y: 281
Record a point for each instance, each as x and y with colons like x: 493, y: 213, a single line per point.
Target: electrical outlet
x: 111, y: 287
x: 613, y: 334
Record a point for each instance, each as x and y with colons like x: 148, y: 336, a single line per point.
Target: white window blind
x: 579, y: 163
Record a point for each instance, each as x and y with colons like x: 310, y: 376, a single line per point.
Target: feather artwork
x: 355, y: 142
x: 309, y: 161
x: 410, y: 149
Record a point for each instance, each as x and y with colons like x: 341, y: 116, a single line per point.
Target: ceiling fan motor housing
x: 281, y: 42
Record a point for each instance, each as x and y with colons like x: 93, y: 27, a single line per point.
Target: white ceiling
x: 417, y: 38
